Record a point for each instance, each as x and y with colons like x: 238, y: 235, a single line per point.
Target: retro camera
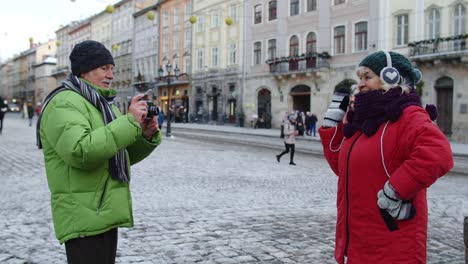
x: 152, y: 110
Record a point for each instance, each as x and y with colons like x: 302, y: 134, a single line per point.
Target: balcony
x: 439, y: 48
x: 60, y: 71
x: 299, y: 64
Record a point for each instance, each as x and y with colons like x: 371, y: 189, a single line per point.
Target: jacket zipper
x: 347, y: 195
x: 98, y: 210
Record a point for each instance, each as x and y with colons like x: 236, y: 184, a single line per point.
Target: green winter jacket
x: 77, y: 146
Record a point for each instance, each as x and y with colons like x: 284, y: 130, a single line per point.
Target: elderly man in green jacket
x: 88, y: 149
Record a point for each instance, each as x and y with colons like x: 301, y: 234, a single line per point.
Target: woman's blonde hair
x: 362, y: 70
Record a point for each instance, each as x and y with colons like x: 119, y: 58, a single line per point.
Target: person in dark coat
x: 30, y: 112
x: 3, y: 110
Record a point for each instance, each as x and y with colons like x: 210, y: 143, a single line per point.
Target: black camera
x: 152, y: 110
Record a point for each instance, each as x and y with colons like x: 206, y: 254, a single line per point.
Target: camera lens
x: 152, y: 110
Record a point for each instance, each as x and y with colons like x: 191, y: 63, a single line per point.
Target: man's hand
x: 150, y: 127
x: 138, y: 108
x: 388, y: 199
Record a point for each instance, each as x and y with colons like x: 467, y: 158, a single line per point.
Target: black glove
x: 336, y: 110
x: 388, y: 199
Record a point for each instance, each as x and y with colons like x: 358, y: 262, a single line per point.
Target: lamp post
x: 169, y: 80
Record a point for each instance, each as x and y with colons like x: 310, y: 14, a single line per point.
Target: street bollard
x: 465, y: 236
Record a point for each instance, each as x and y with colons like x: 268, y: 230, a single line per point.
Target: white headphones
x: 390, y: 75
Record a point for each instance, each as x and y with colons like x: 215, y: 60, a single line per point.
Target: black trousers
x: 99, y: 249
x: 288, y: 147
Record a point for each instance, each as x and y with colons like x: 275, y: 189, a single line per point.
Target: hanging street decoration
x: 193, y: 19
x: 115, y: 47
x: 151, y: 15
x: 109, y: 9
x: 228, y: 21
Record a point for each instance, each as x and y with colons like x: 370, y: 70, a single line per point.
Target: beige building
x: 175, y: 57
x: 63, y: 52
x: 434, y: 35
x: 297, y: 51
x: 145, y: 49
x: 43, y: 65
x: 216, y: 52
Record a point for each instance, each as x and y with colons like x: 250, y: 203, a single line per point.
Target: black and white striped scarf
x: 117, y: 164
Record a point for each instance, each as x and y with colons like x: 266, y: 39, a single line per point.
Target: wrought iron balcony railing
x: 439, y: 46
x: 295, y: 64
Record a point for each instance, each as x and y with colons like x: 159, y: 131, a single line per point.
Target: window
x: 271, y: 48
x: 257, y: 53
x: 215, y: 18
x: 311, y: 43
x: 337, y: 2
x: 360, y: 36
x: 176, y: 16
x: 200, y: 24
x: 272, y: 10
x: 434, y: 23
x: 258, y: 14
x: 166, y: 20
x: 339, y: 36
x: 188, y: 11
x: 233, y: 12
x: 459, y: 20
x: 214, y: 57
x: 200, y: 58
x: 176, y: 42
x: 293, y: 46
x: 232, y: 53
x: 165, y: 45
x: 311, y: 5
x: 187, y: 39
x: 402, y: 30
x: 187, y: 64
x: 294, y: 7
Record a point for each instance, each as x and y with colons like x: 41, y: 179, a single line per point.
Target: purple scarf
x: 371, y: 109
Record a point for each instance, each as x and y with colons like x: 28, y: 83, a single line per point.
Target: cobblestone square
x: 202, y: 202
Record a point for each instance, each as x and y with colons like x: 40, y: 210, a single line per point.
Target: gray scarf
x: 117, y: 164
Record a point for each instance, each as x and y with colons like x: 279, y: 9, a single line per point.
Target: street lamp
x: 169, y: 80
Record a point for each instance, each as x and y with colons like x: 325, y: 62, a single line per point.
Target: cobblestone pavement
x: 202, y: 202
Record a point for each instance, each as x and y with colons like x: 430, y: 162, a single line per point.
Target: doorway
x: 301, y: 98
x: 444, y: 89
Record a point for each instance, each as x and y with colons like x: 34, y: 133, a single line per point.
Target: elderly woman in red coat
x: 386, y: 152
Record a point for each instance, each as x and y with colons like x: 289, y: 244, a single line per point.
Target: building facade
x: 216, y: 51
x: 297, y: 51
x: 175, y: 58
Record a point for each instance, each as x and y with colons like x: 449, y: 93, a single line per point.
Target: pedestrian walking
x: 312, y: 124
x: 386, y: 152
x: 290, y: 133
x: 88, y: 148
x: 3, y: 110
x: 300, y: 123
x: 160, y: 117
x: 30, y: 112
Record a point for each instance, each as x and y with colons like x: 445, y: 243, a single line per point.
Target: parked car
x: 13, y: 108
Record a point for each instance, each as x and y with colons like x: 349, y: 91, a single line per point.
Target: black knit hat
x: 378, y: 60
x: 88, y: 55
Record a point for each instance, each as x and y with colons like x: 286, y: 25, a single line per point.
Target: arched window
x: 311, y: 43
x: 293, y: 46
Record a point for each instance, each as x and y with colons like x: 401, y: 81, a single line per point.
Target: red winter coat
x: 416, y: 154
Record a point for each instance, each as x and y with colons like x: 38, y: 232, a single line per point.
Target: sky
x: 39, y: 19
